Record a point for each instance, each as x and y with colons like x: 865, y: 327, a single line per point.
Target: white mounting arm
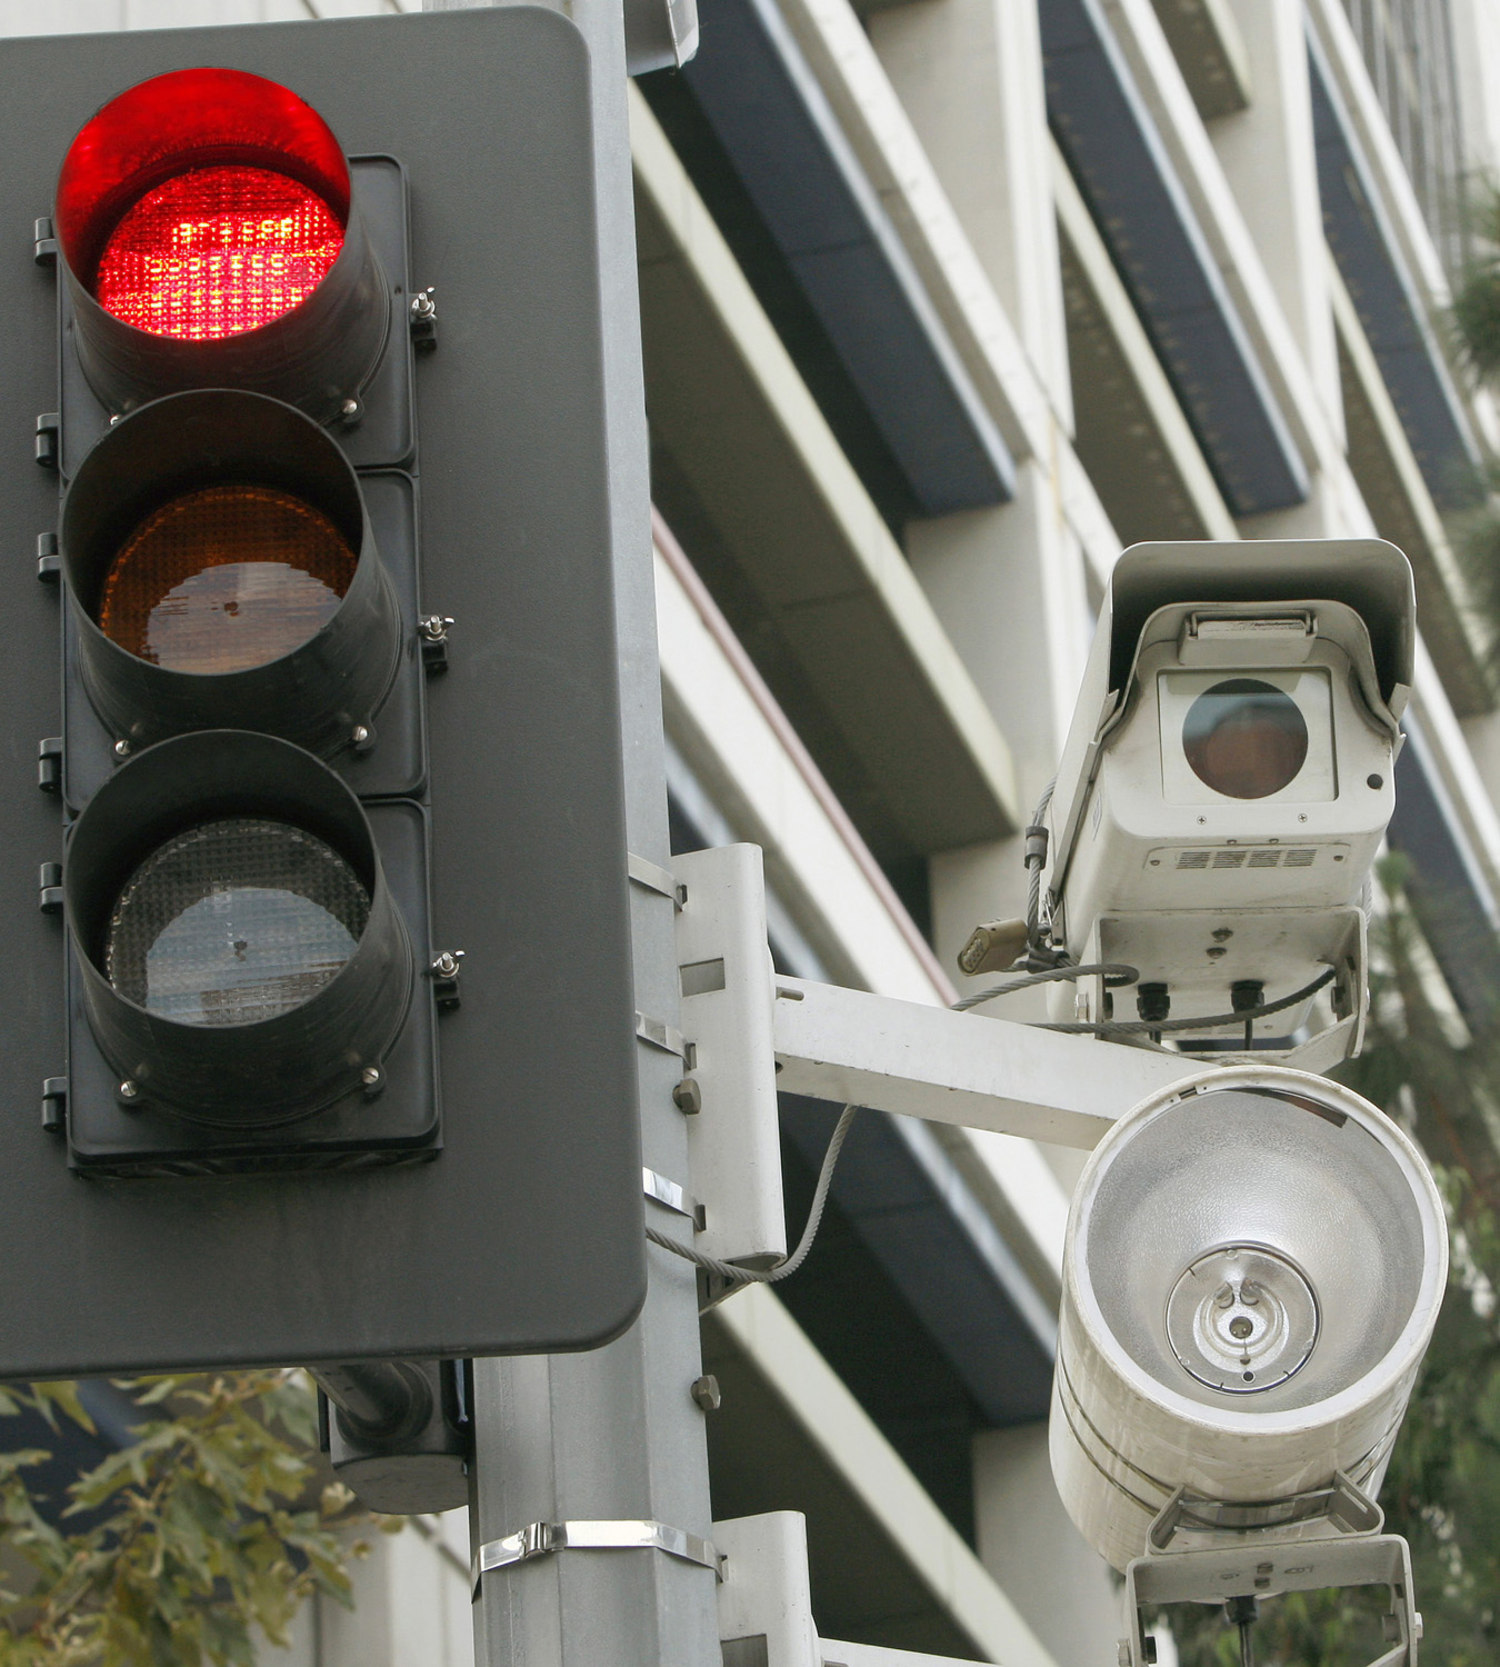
x: 747, y: 1032
x: 981, y: 1073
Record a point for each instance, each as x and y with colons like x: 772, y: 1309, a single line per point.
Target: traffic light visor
x: 203, y: 203
x: 241, y: 957
x: 210, y: 236
x: 220, y: 564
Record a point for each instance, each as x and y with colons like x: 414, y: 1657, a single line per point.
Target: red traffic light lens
x: 179, y: 151
x: 208, y: 237
x: 225, y: 578
x: 214, y: 252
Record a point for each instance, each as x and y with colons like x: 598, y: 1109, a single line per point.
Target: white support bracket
x: 981, y: 1073
x: 734, y: 1140
x: 765, y: 1604
x: 748, y: 1033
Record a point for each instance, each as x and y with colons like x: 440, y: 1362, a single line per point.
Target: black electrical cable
x: 1142, y: 1027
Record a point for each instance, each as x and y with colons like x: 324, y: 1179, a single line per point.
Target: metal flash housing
x: 1291, y: 1203
x: 1202, y: 890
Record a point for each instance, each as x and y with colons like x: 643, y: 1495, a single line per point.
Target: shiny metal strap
x: 541, y: 1539
x: 672, y: 1196
x: 655, y: 878
x: 661, y: 1035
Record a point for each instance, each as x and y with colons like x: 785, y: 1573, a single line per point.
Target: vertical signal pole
x: 612, y: 1435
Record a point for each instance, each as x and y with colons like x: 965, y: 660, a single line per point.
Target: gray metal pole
x: 614, y: 1434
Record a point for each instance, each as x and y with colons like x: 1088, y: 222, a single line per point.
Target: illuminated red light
x: 217, y: 251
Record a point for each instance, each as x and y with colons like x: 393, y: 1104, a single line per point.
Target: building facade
x: 945, y: 303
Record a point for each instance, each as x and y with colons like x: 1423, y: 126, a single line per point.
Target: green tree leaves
x: 205, y: 1530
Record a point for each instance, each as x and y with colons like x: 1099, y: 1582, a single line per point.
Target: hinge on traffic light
x: 432, y: 632
x: 44, y: 243
x: 424, y: 321
x: 54, y: 1104
x: 49, y: 754
x: 48, y: 561
x: 49, y: 888
x: 47, y: 427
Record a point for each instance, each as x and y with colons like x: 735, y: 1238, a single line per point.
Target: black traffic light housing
x: 351, y: 1176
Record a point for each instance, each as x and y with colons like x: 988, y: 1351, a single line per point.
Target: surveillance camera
x: 1252, y: 1271
x: 1228, y: 776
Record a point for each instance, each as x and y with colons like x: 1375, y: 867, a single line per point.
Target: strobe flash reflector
x: 208, y: 236
x: 1254, y: 1264
x: 241, y: 959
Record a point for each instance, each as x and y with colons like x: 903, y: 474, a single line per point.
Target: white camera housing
x: 1228, y: 776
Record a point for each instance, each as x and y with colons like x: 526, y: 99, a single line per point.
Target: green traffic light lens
x: 234, y: 922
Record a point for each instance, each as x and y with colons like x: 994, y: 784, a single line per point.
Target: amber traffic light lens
x: 234, y: 922
x: 224, y: 579
x: 1245, y: 738
x: 214, y: 252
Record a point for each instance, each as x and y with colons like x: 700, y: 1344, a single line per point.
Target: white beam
x: 834, y: 1654
x: 981, y: 1073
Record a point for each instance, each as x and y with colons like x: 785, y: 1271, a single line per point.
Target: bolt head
x: 706, y: 1393
x: 129, y: 1090
x: 350, y: 408
x: 359, y: 735
x: 370, y: 1076
x: 122, y: 749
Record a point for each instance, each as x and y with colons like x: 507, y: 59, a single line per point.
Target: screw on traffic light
x: 270, y: 1130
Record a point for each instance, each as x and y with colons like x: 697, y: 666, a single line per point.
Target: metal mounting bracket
x: 672, y: 1196
x: 655, y: 878
x: 1260, y: 1570
x: 542, y: 1539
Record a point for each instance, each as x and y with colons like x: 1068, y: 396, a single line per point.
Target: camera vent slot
x: 1225, y: 857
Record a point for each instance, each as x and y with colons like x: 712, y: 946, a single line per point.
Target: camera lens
x: 1245, y: 738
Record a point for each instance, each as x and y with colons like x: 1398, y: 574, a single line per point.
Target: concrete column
x: 1063, y: 1589
x: 1008, y: 586
x: 969, y: 73
x: 1266, y: 151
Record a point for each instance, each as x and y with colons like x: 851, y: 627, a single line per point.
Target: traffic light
x: 328, y: 1002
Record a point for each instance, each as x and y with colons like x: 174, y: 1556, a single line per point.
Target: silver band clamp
x: 662, y: 1035
x: 655, y: 878
x: 673, y: 1197
x: 541, y: 1539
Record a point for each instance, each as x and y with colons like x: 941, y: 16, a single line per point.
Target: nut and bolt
x: 705, y: 1392
x: 688, y: 1097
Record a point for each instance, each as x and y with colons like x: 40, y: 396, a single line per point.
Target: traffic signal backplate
x: 521, y: 1231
